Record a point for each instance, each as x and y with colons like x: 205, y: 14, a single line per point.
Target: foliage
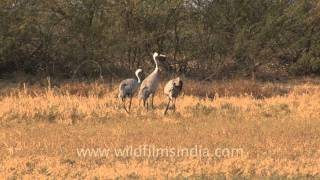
x: 203, y: 38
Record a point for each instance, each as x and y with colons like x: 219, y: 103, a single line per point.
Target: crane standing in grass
x: 172, y: 90
x: 127, y: 89
x: 149, y: 85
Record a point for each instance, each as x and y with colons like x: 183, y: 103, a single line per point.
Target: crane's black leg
x: 152, y: 106
x: 123, y: 101
x: 165, y: 112
x: 130, y: 103
x: 124, y: 105
x: 119, y: 102
x: 174, y: 105
x: 147, y: 102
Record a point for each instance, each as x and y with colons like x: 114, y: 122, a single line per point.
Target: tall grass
x: 276, y: 124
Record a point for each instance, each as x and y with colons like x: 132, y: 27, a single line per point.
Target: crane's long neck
x: 156, y: 62
x: 139, y: 80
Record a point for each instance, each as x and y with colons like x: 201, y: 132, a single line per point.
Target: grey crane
x: 172, y: 90
x: 127, y: 89
x: 150, y: 84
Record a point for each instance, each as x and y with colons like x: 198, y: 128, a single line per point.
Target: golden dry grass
x: 277, y: 126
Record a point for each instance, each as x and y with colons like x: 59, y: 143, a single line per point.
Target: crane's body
x: 128, y: 88
x: 150, y: 84
x: 172, y: 90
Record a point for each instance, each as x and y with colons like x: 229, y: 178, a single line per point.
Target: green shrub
x: 307, y: 64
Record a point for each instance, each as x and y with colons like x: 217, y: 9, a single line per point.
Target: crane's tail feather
x: 144, y: 95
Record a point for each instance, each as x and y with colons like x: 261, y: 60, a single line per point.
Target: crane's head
x: 159, y: 57
x: 139, y: 75
x: 155, y: 55
x: 138, y: 71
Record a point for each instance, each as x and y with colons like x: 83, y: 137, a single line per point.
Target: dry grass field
x: 244, y: 130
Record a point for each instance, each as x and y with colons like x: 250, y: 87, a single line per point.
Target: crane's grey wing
x: 144, y: 93
x: 128, y: 87
x: 173, y: 88
x: 169, y: 88
x: 151, y: 82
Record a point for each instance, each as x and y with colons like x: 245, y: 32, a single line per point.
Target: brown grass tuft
x: 275, y: 124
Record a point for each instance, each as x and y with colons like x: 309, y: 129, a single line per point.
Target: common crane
x: 172, y: 90
x: 150, y: 84
x: 127, y: 89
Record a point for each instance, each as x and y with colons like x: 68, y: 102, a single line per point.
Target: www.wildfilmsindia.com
x: 151, y: 151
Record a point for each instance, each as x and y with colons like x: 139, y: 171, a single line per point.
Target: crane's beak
x: 161, y: 57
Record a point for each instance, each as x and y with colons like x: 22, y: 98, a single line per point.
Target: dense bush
x: 305, y: 65
x: 203, y: 38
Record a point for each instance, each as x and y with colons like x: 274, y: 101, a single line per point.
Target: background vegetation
x: 205, y: 39
x: 276, y: 123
